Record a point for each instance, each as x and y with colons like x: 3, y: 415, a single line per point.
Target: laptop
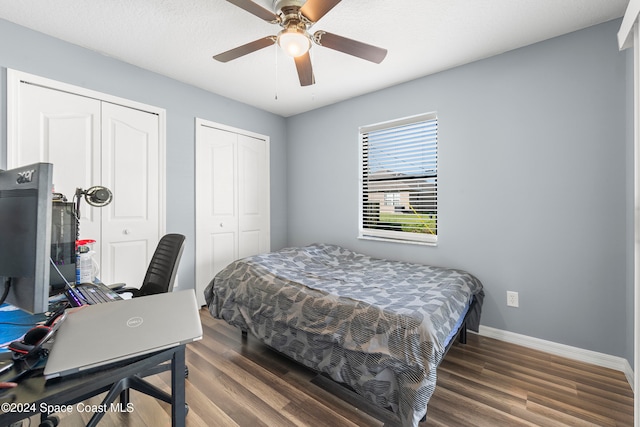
x: 92, y: 336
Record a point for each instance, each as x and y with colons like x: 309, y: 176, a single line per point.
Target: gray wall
x: 534, y: 183
x: 35, y: 53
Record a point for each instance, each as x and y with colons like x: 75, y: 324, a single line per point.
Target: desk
x: 35, y: 394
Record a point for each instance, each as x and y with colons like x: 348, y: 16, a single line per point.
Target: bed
x: 380, y: 327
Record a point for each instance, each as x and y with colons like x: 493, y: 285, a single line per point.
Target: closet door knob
x: 126, y: 231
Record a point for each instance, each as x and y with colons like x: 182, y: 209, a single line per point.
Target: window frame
x: 369, y: 233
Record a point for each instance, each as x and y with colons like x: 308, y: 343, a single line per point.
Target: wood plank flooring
x: 236, y: 382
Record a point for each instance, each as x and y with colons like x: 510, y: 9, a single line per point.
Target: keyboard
x: 91, y: 293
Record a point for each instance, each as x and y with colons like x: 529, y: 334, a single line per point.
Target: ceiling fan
x: 296, y: 17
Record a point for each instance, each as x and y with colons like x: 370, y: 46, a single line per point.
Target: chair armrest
x: 135, y: 292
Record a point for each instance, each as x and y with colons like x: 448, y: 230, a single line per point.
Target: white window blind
x: 399, y: 163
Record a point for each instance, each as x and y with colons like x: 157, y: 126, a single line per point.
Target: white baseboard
x: 582, y: 355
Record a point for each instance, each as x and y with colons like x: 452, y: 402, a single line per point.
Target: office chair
x: 162, y: 269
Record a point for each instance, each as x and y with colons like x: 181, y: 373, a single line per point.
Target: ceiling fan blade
x: 350, y: 46
x: 256, y: 10
x: 313, y: 10
x: 305, y: 72
x: 245, y: 49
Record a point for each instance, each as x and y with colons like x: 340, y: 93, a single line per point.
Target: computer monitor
x: 25, y: 235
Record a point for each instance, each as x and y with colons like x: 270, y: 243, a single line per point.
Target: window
x: 399, y: 180
x: 392, y: 199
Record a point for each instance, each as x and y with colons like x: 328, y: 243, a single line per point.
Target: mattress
x: 379, y: 326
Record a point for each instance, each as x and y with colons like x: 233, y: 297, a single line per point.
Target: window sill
x: 392, y: 240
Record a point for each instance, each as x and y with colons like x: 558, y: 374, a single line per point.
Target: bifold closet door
x: 253, y: 194
x: 232, y: 200
x: 93, y: 142
x: 130, y: 169
x: 63, y: 129
x: 216, y: 204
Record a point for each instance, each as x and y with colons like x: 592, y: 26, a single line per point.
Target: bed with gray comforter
x: 379, y: 326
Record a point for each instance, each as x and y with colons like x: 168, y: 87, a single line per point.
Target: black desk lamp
x: 97, y: 196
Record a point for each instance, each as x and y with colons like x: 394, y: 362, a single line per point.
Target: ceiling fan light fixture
x: 295, y: 18
x: 294, y: 42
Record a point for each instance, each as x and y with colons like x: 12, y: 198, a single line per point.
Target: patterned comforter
x: 379, y: 326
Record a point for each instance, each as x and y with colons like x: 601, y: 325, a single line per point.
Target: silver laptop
x: 96, y: 335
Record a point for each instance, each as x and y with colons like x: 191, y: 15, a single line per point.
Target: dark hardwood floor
x: 236, y: 382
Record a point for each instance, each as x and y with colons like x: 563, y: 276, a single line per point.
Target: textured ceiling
x: 178, y: 38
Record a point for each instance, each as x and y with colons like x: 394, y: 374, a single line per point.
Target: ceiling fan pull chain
x: 276, y: 51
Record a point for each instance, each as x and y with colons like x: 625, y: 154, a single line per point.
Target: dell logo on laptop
x: 134, y: 322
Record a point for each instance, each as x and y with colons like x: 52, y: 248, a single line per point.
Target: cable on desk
x: 7, y: 287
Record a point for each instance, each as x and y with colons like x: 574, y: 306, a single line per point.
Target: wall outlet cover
x: 512, y: 299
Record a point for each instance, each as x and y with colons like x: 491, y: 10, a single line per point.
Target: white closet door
x: 216, y: 204
x: 130, y: 169
x: 93, y: 142
x: 253, y: 185
x: 63, y: 129
x: 232, y: 199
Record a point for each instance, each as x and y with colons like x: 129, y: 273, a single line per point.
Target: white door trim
x: 15, y: 78
x: 203, y: 122
x: 629, y: 36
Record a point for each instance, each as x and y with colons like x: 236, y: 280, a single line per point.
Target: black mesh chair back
x: 163, y: 266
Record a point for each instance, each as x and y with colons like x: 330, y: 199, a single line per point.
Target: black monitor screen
x: 15, y: 229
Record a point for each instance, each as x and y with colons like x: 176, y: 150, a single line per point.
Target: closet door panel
x: 129, y: 146
x: 93, y: 139
x: 130, y: 169
x: 126, y: 255
x: 249, y: 243
x: 232, y: 199
x: 216, y: 212
x: 63, y: 129
x: 221, y: 159
x: 223, y: 250
x: 253, y: 190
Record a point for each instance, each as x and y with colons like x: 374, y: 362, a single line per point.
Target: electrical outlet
x: 512, y: 299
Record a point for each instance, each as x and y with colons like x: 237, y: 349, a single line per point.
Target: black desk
x: 35, y: 394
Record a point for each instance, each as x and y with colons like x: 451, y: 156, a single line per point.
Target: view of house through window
x: 399, y: 179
